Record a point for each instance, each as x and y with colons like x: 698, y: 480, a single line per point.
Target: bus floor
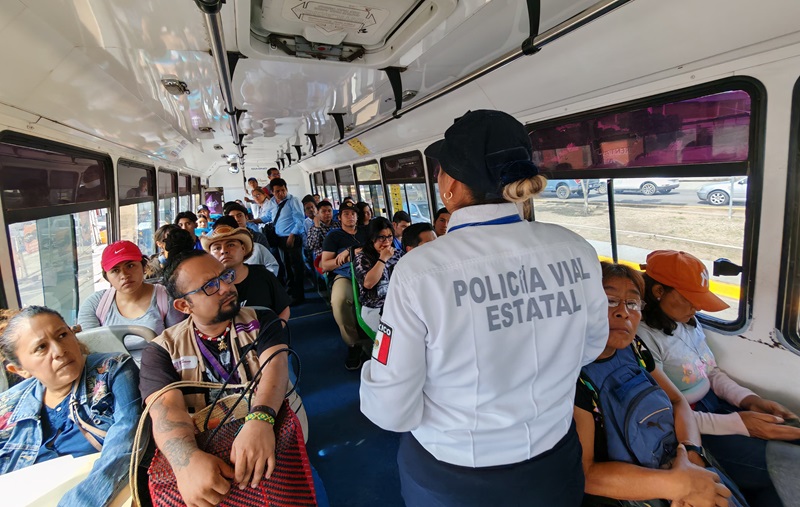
x: 356, y: 460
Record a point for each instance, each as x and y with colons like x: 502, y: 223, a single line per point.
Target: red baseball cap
x: 686, y: 274
x: 120, y: 251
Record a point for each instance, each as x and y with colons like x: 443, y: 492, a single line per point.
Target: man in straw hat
x: 255, y: 284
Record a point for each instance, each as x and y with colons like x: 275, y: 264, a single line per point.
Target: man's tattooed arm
x: 173, y: 429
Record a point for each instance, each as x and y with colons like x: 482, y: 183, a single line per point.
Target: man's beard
x: 228, y: 314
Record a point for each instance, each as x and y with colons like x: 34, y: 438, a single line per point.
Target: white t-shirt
x: 483, y: 334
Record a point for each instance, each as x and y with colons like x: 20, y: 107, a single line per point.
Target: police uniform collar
x: 481, y: 213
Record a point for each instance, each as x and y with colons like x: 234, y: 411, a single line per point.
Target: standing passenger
x: 440, y: 221
x: 483, y: 334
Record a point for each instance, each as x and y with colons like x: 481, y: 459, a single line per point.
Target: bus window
x: 790, y: 268
x: 679, y: 171
x: 136, y: 204
x: 405, y: 186
x: 195, y: 193
x: 57, y: 223
x: 330, y: 189
x: 167, y: 196
x: 433, y: 176
x: 66, y: 280
x: 368, y: 178
x: 184, y: 199
x: 347, y: 184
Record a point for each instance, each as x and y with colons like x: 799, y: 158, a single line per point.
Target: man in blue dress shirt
x: 286, y: 213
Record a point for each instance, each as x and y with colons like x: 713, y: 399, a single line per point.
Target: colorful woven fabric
x: 291, y: 484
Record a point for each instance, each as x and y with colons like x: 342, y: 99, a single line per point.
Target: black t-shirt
x: 585, y: 401
x: 262, y: 288
x: 339, y: 240
x: 157, y: 370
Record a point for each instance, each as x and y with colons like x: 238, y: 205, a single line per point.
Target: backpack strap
x: 162, y: 300
x: 104, y: 306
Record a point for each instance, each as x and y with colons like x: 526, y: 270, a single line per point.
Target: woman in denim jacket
x: 69, y: 404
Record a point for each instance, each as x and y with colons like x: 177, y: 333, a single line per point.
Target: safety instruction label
x: 333, y: 16
x: 358, y: 147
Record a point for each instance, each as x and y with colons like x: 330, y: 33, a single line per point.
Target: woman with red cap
x: 735, y: 421
x: 129, y: 301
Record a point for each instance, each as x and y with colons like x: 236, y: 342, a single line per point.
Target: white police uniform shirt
x: 482, y: 337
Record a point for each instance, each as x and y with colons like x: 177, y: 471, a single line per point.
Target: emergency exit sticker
x: 335, y: 16
x: 358, y: 146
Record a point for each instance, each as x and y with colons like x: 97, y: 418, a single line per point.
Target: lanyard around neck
x: 510, y: 219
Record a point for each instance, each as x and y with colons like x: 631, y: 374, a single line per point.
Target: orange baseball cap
x: 686, y: 274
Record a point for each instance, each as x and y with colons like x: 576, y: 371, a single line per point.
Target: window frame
x: 25, y: 215
x: 151, y: 170
x: 789, y: 288
x: 752, y: 168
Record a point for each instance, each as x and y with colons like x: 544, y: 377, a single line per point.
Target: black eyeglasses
x: 384, y: 238
x: 634, y: 305
x: 211, y: 287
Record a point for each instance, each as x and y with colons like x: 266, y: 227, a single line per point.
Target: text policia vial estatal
x: 538, y: 301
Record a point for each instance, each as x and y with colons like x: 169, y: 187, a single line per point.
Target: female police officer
x: 483, y: 334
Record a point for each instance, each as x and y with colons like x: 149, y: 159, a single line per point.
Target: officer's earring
x: 447, y: 196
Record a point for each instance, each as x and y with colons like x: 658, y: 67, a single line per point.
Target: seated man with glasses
x: 373, y: 266
x: 206, y: 347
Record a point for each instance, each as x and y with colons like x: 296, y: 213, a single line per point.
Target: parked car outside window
x: 719, y: 193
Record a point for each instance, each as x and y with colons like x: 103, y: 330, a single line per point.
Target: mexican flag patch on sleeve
x: 380, y: 349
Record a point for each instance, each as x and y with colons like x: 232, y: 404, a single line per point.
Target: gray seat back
x: 129, y: 339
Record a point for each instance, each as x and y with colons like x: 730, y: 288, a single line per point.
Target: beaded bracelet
x: 260, y: 416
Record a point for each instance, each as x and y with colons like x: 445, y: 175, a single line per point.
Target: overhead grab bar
x: 583, y: 18
x: 211, y: 11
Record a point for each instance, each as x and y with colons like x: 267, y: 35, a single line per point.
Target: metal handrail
x: 590, y: 14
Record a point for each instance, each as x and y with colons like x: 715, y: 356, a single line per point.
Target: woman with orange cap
x: 735, y: 421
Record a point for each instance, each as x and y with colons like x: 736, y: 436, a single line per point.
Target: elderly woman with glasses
x: 373, y: 266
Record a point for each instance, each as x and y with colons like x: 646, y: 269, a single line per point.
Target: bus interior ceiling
x: 90, y: 74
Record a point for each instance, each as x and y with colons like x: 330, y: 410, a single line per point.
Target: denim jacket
x: 109, y: 399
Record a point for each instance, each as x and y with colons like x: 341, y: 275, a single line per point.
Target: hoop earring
x: 447, y: 196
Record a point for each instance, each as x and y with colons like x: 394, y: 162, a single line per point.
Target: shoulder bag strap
x: 140, y: 442
x: 104, y: 306
x: 89, y: 432
x: 280, y: 208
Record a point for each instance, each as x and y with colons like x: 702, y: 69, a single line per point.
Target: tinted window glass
x: 134, y: 181
x: 166, y: 184
x: 345, y: 176
x: 368, y: 172
x: 705, y: 129
x: 318, y: 180
x: 404, y: 167
x: 329, y: 177
x: 184, y: 183
x: 32, y: 178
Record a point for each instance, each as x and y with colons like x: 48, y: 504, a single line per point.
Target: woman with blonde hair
x: 483, y: 334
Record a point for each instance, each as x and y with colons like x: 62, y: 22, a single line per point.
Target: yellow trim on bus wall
x: 726, y: 290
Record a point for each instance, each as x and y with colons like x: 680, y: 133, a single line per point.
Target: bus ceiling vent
x: 375, y: 35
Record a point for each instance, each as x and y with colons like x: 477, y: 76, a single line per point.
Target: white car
x: 719, y: 193
x: 646, y: 186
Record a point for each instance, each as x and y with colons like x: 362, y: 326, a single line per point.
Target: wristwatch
x: 697, y: 450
